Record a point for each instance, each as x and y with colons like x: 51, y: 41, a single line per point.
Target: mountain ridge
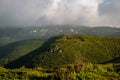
x: 70, y: 49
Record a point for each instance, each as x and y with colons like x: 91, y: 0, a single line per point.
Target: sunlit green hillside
x: 71, y: 49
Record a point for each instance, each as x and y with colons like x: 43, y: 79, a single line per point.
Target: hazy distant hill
x: 11, y: 34
x: 71, y: 49
x: 103, y: 30
x: 4, y: 40
x: 17, y: 49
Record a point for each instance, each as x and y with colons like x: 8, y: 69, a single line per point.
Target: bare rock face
x: 56, y: 49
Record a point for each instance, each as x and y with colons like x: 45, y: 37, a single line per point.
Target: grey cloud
x: 109, y: 12
x: 69, y: 11
x: 22, y: 12
x: 36, y: 12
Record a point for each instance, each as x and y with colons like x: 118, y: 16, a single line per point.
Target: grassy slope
x: 71, y: 49
x: 17, y: 49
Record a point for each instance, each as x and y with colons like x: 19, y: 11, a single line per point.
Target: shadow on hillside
x: 115, y: 60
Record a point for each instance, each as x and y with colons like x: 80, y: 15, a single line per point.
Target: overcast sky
x: 80, y: 12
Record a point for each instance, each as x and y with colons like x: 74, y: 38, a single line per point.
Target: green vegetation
x: 66, y: 72
x: 65, y: 57
x: 17, y: 49
x: 71, y: 49
x: 24, y: 74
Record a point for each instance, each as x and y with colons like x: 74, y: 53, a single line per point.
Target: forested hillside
x: 71, y: 49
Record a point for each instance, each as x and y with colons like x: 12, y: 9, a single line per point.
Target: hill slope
x: 17, y: 49
x: 70, y: 49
